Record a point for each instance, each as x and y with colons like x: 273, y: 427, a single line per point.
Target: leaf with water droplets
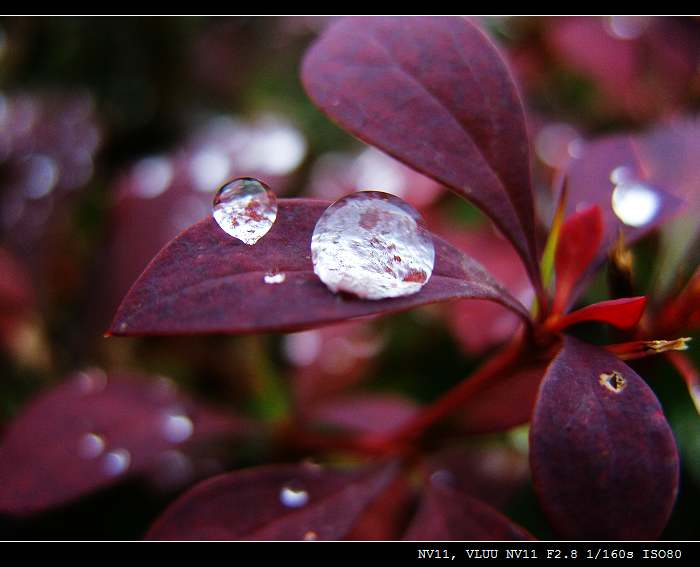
x: 93, y: 430
x: 603, y: 457
x: 446, y: 514
x: 434, y: 93
x: 279, y: 502
x: 206, y: 282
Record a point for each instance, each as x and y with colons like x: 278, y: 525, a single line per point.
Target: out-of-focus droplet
x: 152, y: 176
x: 303, y: 348
x: 635, y: 203
x: 246, y: 209
x: 442, y: 477
x: 274, y: 277
x: 627, y: 27
x: 91, y: 381
x: 293, y: 497
x: 209, y: 168
x: 42, y: 176
x: 116, y: 462
x: 373, y: 245
x: 176, y: 427
x: 91, y: 446
x: 310, y: 536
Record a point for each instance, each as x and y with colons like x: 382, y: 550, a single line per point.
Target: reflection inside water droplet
x: 91, y: 446
x: 116, y: 462
x: 176, y: 428
x: 246, y: 209
x: 293, y: 497
x: 274, y: 277
x: 372, y: 245
x: 635, y: 204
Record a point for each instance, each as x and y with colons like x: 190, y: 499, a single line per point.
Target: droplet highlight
x: 293, y: 496
x: 373, y: 245
x: 246, y: 209
x: 274, y: 277
x: 116, y: 462
x: 176, y: 428
x: 91, y: 446
x: 634, y: 202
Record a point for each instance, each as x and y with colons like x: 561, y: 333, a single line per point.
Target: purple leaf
x: 434, y: 93
x: 93, y: 431
x: 278, y: 502
x: 205, y: 281
x: 603, y: 458
x: 448, y: 514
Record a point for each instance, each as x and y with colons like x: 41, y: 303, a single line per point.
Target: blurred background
x: 115, y: 134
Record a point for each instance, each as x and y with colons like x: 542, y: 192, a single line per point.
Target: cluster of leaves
x: 435, y: 94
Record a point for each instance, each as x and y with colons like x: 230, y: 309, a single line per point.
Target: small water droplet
x: 442, y: 477
x: 373, y: 245
x: 116, y: 462
x: 293, y: 496
x: 635, y: 203
x: 92, y: 381
x: 176, y: 427
x: 91, y: 446
x: 246, y: 209
x: 310, y: 536
x: 275, y: 277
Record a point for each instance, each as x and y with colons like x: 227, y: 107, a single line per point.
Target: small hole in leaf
x: 613, y: 381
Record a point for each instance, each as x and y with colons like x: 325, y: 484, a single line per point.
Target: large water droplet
x: 116, y: 462
x: 91, y: 446
x: 246, y: 209
x: 373, y: 245
x: 293, y: 497
x: 635, y: 203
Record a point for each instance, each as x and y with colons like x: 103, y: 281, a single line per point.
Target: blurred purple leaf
x: 204, y: 281
x: 92, y: 431
x: 277, y: 502
x: 446, y: 514
x: 603, y: 457
x: 434, y: 93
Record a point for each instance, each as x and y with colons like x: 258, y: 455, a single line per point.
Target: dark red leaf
x: 579, y: 242
x: 447, y: 514
x: 603, y: 457
x: 363, y: 413
x: 504, y: 402
x: 436, y: 94
x: 93, y: 431
x: 623, y: 313
x: 491, y: 473
x: 205, y: 281
x: 279, y: 502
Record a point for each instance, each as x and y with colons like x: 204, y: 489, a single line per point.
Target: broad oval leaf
x: 603, y: 457
x: 446, y: 514
x: 277, y: 502
x: 94, y: 430
x: 204, y: 281
x: 434, y: 93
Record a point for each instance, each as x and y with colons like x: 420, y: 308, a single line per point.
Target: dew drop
x: 246, y: 209
x: 635, y: 203
x: 373, y: 245
x: 116, y: 462
x: 274, y: 277
x: 176, y: 428
x: 91, y: 446
x: 293, y: 497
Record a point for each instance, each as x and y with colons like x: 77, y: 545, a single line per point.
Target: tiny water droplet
x: 116, y: 462
x: 373, y: 245
x: 635, y: 203
x: 176, y: 427
x: 293, y: 497
x: 442, y: 477
x: 274, y: 277
x: 92, y: 381
x: 91, y: 446
x: 246, y: 209
x: 310, y: 536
